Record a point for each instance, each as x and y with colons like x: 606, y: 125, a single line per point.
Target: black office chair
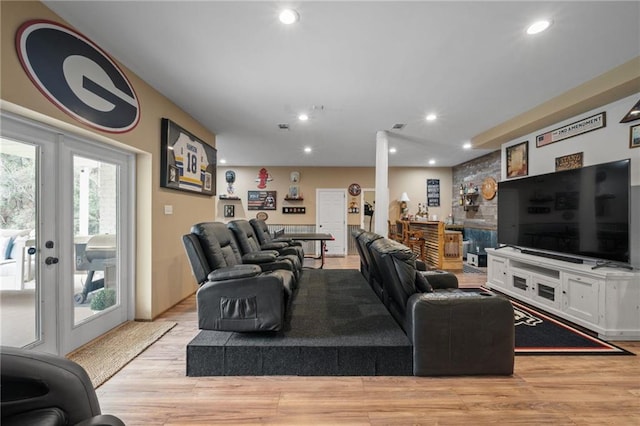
x: 41, y: 389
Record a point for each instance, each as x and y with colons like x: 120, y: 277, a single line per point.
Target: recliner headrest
x: 368, y: 237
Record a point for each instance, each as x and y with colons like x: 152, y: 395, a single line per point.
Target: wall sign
x: 433, y: 192
x: 588, y: 124
x: 568, y: 162
x: 261, y: 200
x: 77, y: 76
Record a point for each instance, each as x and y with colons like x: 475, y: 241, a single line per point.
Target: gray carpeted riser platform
x: 338, y: 327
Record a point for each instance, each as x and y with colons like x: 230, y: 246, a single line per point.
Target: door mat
x: 109, y: 353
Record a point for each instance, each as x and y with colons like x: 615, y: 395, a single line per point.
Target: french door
x: 66, y: 208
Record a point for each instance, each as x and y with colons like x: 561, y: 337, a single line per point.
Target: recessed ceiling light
x: 392, y: 150
x: 307, y: 149
x: 289, y: 16
x: 431, y: 117
x: 467, y: 145
x: 303, y: 117
x: 223, y: 161
x: 538, y: 27
x: 432, y: 162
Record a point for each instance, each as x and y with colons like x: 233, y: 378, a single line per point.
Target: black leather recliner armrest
x: 440, y: 279
x: 234, y: 272
x: 274, y: 246
x: 288, y: 241
x: 247, y: 304
x: 101, y: 420
x: 279, y: 264
x: 258, y: 257
x: 420, y: 265
x: 460, y: 333
x: 288, y: 250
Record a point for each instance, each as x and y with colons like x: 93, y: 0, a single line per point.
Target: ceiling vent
x: 398, y: 126
x: 283, y: 126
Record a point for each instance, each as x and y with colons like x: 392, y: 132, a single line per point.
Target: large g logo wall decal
x: 77, y: 76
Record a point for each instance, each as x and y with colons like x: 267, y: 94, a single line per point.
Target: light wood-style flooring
x: 556, y: 390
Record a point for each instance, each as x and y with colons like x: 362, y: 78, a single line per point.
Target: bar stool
x: 414, y: 240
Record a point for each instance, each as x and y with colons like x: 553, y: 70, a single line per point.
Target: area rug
x: 108, y: 354
x: 538, y: 333
x: 469, y: 269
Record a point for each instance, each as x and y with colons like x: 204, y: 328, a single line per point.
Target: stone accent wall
x: 479, y: 225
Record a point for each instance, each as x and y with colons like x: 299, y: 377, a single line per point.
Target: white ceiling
x: 357, y: 68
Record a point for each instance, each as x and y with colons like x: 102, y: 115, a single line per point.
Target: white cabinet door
x: 496, y: 271
x: 546, y: 290
x: 519, y: 282
x: 580, y: 296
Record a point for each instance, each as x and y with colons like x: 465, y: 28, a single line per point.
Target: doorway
x: 368, y: 203
x: 67, y: 215
x: 331, y: 217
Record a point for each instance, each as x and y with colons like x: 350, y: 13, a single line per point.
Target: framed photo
x: 634, y: 136
x: 518, y: 159
x: 229, y: 210
x: 187, y: 162
x: 261, y: 200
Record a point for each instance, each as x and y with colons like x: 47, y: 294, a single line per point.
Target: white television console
x: 605, y: 300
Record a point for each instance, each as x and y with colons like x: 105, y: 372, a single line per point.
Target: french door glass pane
x: 95, y: 225
x: 19, y: 290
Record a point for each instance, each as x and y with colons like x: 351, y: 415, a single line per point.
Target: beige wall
x: 411, y: 180
x: 163, y: 277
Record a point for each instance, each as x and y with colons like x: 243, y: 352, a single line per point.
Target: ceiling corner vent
x: 283, y: 126
x: 398, y: 126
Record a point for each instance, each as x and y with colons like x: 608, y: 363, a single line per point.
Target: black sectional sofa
x: 453, y: 331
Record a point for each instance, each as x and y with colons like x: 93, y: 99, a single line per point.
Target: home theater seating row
x: 453, y: 332
x: 244, y: 288
x: 240, y: 290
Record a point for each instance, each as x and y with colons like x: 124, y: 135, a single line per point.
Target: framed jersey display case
x: 188, y: 163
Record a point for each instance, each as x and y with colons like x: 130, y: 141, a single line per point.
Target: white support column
x: 382, y: 183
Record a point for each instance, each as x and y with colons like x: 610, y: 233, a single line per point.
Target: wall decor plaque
x: 580, y: 127
x: 568, y: 162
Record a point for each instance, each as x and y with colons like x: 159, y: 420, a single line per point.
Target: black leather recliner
x: 264, y: 237
x: 453, y: 331
x: 48, y: 390
x: 363, y: 241
x: 237, y: 293
x: 248, y: 242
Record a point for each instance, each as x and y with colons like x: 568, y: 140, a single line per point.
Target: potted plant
x: 103, y: 299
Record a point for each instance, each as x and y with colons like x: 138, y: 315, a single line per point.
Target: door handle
x: 51, y: 260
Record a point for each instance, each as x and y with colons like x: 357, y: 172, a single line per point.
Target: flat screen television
x: 581, y: 212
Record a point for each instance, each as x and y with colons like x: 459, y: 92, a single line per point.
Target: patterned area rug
x: 538, y: 333
x: 108, y: 354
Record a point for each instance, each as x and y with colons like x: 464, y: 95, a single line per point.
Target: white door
x: 331, y: 217
x: 65, y: 192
